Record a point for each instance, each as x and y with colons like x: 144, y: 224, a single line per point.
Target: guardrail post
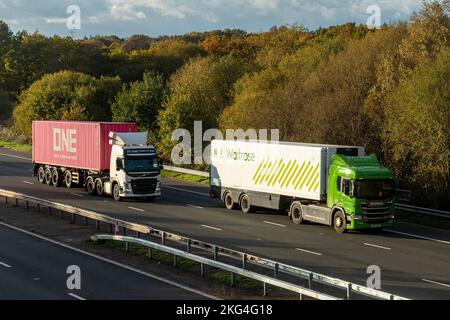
x: 138, y: 234
x: 265, y: 289
x: 189, y: 244
x: 124, y: 231
x: 150, y: 253
x: 163, y: 238
x: 244, y: 261
x: 301, y: 296
x: 202, y: 270
x: 127, y: 246
x: 349, y: 291
x: 232, y: 279
x: 310, y: 280
x: 174, y: 260
x: 74, y: 218
x: 215, y: 249
x: 97, y: 224
x: 275, y: 270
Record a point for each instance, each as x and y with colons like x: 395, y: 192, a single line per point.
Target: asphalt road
x: 415, y: 260
x: 32, y: 268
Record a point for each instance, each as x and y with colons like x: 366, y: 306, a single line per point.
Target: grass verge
x: 422, y: 219
x: 15, y: 146
x: 185, y: 177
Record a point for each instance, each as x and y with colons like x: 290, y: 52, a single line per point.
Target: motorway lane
x: 32, y: 268
x: 407, y: 263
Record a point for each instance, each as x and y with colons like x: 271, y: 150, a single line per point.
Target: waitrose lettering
x: 237, y: 155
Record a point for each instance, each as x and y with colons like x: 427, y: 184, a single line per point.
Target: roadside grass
x: 221, y: 277
x: 185, y: 177
x: 15, y: 146
x: 422, y: 219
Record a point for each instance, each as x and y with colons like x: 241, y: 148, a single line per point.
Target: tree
x: 65, y: 95
x: 199, y: 92
x: 417, y: 127
x: 141, y: 101
x: 5, y: 105
x: 137, y: 42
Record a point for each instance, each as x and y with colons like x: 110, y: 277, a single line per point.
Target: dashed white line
x: 308, y: 251
x: 275, y: 224
x: 212, y: 228
x: 377, y: 246
x: 136, y: 209
x: 438, y: 283
x: 416, y: 236
x: 76, y: 297
x: 184, y: 190
x: 8, y: 155
x: 194, y: 206
x: 27, y: 182
x: 76, y: 194
x: 5, y: 265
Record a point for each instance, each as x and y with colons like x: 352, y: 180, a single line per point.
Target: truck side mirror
x: 119, y: 164
x: 348, y: 188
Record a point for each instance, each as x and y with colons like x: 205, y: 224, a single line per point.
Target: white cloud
x: 94, y: 20
x: 56, y: 20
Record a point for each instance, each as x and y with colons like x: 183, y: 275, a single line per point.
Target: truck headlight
x: 127, y: 186
x: 358, y: 217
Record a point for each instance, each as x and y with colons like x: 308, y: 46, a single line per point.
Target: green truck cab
x: 363, y: 190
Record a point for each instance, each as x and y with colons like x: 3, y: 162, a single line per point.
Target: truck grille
x: 377, y: 214
x: 144, y: 186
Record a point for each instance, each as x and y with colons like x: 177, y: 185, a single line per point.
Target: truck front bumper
x: 358, y: 222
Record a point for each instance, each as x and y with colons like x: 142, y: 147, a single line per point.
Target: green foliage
x: 66, y: 95
x: 5, y: 105
x: 199, y: 92
x: 140, y: 102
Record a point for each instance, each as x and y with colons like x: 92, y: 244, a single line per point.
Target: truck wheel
x: 90, y: 186
x: 297, y: 213
x: 339, y: 222
x: 245, y: 204
x: 56, y: 181
x: 116, y: 192
x: 41, y: 175
x: 99, y: 187
x: 48, y: 176
x: 68, y: 179
x: 228, y: 201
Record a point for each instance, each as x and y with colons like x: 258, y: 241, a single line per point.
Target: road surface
x: 414, y: 260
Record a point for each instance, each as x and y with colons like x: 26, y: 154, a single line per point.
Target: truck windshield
x: 374, y: 189
x: 141, y: 164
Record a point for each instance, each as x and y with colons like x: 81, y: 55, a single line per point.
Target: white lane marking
x: 377, y: 246
x: 419, y: 237
x: 308, y: 251
x: 5, y: 265
x: 275, y: 224
x: 194, y: 206
x: 438, y: 283
x: 212, y: 228
x: 8, y: 155
x: 76, y: 194
x: 184, y: 190
x: 136, y: 209
x: 27, y: 182
x: 76, y: 297
x: 149, y: 275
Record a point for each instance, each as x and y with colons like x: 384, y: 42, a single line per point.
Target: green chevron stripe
x: 315, y: 181
x: 298, y: 176
x: 269, y: 171
x: 270, y: 174
x: 316, y: 170
x: 257, y: 171
x: 261, y: 171
x: 288, y: 183
x: 277, y: 167
x: 279, y: 173
x: 264, y: 177
x: 316, y: 187
x: 289, y: 174
x: 284, y: 172
x: 306, y: 176
x: 302, y: 176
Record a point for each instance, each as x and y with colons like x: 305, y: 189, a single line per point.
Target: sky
x: 170, y: 17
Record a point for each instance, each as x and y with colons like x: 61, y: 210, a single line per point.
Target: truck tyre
x: 339, y: 222
x: 68, y: 179
x: 56, y: 181
x: 99, y: 187
x: 90, y: 186
x: 48, y: 176
x: 228, y: 201
x: 41, y: 175
x: 116, y: 192
x: 296, y: 213
x: 245, y: 204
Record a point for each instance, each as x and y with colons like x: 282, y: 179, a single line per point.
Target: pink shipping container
x: 78, y: 145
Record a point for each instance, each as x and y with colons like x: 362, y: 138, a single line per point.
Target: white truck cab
x: 135, y: 169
